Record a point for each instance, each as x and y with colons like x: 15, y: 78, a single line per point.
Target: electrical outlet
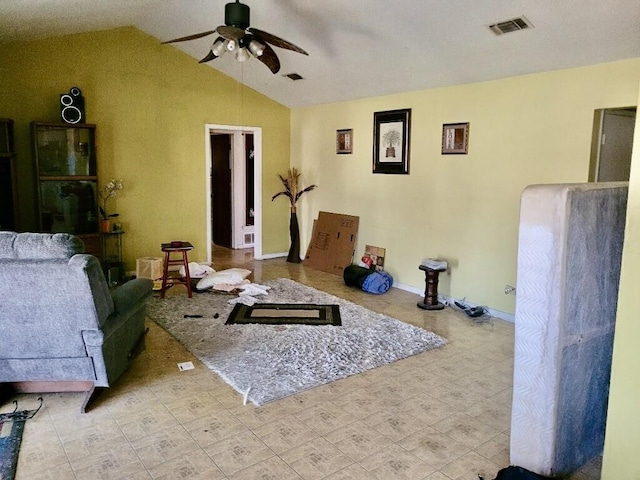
x: 509, y: 290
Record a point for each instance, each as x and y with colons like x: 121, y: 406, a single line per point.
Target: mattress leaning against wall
x: 569, y: 255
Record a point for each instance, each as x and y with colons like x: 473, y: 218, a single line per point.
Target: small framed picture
x: 455, y: 138
x: 391, y: 139
x: 344, y: 141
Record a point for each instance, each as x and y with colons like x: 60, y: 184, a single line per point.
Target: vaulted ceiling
x: 362, y: 48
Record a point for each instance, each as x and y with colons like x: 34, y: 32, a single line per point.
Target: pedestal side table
x: 430, y: 301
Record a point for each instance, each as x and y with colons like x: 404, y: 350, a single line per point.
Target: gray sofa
x: 61, y: 328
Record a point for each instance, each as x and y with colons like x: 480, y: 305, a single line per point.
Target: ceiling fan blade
x: 270, y: 59
x: 230, y: 33
x: 210, y: 56
x: 276, y: 41
x: 190, y: 37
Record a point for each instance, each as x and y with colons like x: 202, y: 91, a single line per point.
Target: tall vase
x: 294, y: 232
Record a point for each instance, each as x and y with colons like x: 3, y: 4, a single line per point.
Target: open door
x: 221, y: 189
x: 243, y: 194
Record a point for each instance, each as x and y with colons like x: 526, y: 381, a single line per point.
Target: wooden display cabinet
x: 67, y: 178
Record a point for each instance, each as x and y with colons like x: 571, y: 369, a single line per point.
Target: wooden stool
x: 168, y: 249
x: 431, y: 291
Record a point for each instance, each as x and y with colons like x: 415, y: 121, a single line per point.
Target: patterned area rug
x: 268, y: 362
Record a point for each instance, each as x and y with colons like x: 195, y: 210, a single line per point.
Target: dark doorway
x: 7, y: 195
x: 612, y: 144
x: 221, y: 189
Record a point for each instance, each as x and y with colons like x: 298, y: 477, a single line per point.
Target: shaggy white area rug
x: 268, y: 362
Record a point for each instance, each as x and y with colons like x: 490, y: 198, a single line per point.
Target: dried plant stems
x: 291, y: 187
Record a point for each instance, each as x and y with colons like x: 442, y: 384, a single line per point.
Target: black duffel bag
x: 355, y: 275
x: 516, y: 473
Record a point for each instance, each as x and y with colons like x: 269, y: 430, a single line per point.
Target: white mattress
x: 569, y: 252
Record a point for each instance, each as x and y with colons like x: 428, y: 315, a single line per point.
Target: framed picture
x: 391, y: 132
x: 455, y: 138
x: 344, y: 141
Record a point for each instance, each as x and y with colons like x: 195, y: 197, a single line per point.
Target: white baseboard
x: 409, y: 288
x: 448, y: 300
x: 272, y: 255
x: 507, y: 317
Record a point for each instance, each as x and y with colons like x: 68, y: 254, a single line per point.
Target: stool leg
x: 186, y: 271
x: 165, y: 273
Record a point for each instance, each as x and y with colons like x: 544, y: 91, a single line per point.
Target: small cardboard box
x: 332, y: 243
x: 149, y: 267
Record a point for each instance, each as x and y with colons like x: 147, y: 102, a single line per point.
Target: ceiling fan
x: 236, y: 35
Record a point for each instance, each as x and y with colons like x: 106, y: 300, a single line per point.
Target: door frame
x: 235, y: 131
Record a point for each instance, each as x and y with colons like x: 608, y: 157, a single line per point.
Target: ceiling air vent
x: 293, y: 76
x: 513, y: 25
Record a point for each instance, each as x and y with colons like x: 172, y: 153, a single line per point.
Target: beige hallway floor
x: 440, y: 415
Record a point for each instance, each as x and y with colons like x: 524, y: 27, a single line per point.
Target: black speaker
x: 72, y: 106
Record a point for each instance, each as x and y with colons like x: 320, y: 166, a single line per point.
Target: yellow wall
x: 462, y: 208
x: 150, y: 103
x: 622, y: 442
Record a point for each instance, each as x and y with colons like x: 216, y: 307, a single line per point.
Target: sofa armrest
x: 112, y: 345
x: 131, y: 294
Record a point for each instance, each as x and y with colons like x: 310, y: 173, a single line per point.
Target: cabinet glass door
x: 69, y: 206
x: 65, y: 151
x: 65, y: 159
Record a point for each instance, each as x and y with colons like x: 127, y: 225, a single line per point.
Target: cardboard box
x: 333, y: 242
x: 149, y: 267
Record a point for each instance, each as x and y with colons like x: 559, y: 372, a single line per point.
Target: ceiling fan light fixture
x: 256, y: 48
x: 219, y: 47
x: 237, y: 36
x: 242, y: 55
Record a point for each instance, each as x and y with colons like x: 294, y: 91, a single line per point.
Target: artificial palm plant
x: 293, y: 192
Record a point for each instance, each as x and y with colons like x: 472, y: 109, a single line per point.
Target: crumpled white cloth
x: 245, y: 300
x: 253, y: 289
x: 248, y: 293
x: 196, y: 270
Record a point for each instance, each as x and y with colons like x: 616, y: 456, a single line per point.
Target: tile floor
x: 440, y: 415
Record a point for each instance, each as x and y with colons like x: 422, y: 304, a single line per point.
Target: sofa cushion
x: 34, y: 246
x: 6, y: 244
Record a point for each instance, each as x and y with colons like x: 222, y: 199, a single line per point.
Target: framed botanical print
x: 391, y: 136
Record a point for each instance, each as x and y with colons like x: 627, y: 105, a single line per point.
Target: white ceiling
x: 362, y: 48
